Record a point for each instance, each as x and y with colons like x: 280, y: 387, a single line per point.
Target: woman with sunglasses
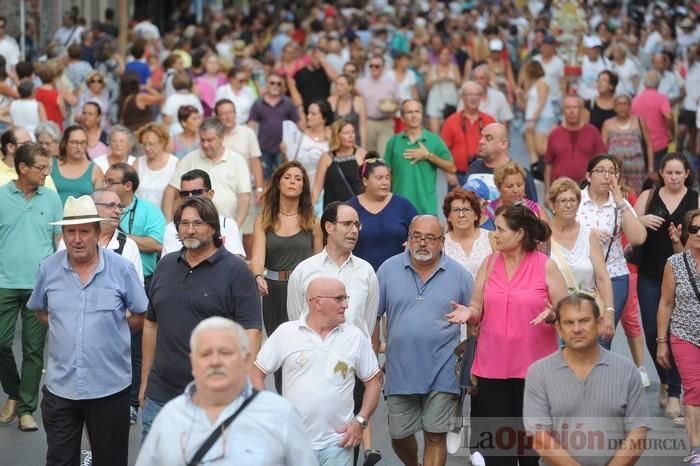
x: 661, y: 210
x: 95, y: 91
x: 72, y: 171
x: 156, y: 167
x: 237, y: 91
x: 385, y: 216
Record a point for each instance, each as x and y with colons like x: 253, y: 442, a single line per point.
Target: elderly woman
x: 120, y: 141
x: 680, y: 304
x: 577, y: 251
x: 95, y: 91
x: 514, y: 291
x: 465, y: 242
x: 156, y: 167
x: 72, y: 171
x: 48, y: 135
x: 510, y: 182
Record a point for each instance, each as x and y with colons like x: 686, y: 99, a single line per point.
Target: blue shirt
x: 384, y: 233
x: 478, y: 170
x: 89, y: 339
x: 141, y: 218
x: 26, y: 238
x: 141, y: 68
x: 419, y: 357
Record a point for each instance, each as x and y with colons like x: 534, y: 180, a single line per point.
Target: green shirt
x: 26, y: 238
x: 141, y: 218
x: 415, y: 182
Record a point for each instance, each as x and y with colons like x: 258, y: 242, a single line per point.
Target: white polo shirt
x: 360, y: 283
x: 243, y: 140
x: 319, y: 374
x: 229, y: 178
x: 231, y: 237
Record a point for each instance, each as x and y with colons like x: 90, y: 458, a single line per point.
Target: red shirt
x: 568, y: 152
x: 49, y: 98
x: 651, y: 106
x: 462, y: 137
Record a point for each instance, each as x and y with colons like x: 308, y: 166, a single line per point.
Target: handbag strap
x: 342, y: 176
x: 691, y: 279
x: 564, y: 266
x: 214, y: 436
x: 612, y: 238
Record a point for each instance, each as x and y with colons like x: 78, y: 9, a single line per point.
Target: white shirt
x: 553, y: 72
x: 267, y: 432
x: 173, y: 104
x: 10, y: 50
x: 692, y: 87
x: 405, y: 87
x: 319, y: 374
x: 243, y: 101
x: 230, y: 234
x: 65, y: 36
x: 587, y: 88
x: 103, y: 162
x: 626, y: 72
x: 496, y: 105
x: 130, y: 251
x: 356, y: 274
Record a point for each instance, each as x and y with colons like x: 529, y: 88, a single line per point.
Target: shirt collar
x: 603, y: 358
x: 14, y: 189
x: 100, y: 264
x: 421, y: 138
x: 223, y: 158
x: 325, y: 258
x: 212, y: 260
x: 586, y: 198
x: 191, y: 389
x: 408, y: 264
x: 303, y: 324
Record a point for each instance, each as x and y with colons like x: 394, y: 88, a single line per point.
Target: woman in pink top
x: 518, y: 287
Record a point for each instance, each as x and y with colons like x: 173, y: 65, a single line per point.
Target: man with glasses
x: 320, y: 355
x: 266, y: 116
x: 10, y: 141
x: 197, y: 183
x: 381, y: 96
x: 26, y: 208
x: 202, y: 280
x: 417, y: 289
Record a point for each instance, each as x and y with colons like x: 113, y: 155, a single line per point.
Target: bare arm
x: 647, y: 142
x: 135, y: 321
x: 604, y: 286
x: 97, y: 177
x: 294, y: 92
x: 146, y: 243
x: 631, y: 448
x: 318, y: 237
x: 148, y: 349
x: 362, y: 112
x: 257, y: 260
x: 42, y: 112
x: 43, y: 317
x: 551, y: 451
x: 323, y: 163
x: 547, y: 179
x: 168, y: 203
x: 257, y: 378
x: 243, y: 207
x: 663, y: 316
x: 556, y: 284
x: 604, y: 132
x: 257, y: 172
x: 254, y: 337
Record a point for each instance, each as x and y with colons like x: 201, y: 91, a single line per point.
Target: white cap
x: 590, y: 42
x: 495, y: 45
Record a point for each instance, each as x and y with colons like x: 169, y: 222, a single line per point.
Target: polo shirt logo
x: 302, y: 360
x: 341, y: 368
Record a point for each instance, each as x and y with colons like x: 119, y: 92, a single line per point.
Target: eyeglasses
x: 196, y: 224
x: 374, y: 65
x: 693, y: 229
x: 42, y: 168
x: 193, y: 192
x: 429, y: 239
x: 603, y: 172
x: 343, y: 298
x: 111, y: 205
x: 111, y: 182
x: 572, y: 200
x: 461, y: 210
x: 349, y: 223
x: 78, y: 143
x: 98, y: 81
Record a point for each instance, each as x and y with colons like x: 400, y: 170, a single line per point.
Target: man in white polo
x: 320, y: 355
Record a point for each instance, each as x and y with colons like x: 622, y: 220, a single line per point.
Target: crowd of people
x: 329, y: 194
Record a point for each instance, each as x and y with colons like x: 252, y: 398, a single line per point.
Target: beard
x: 422, y: 255
x: 192, y: 243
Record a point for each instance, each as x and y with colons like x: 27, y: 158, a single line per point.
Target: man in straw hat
x: 83, y: 294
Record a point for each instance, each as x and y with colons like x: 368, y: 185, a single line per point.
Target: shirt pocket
x: 106, y: 300
x: 339, y: 368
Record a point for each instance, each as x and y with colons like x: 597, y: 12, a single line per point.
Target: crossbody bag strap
x: 612, y: 239
x: 214, y: 436
x: 345, y: 180
x: 564, y: 266
x: 691, y: 278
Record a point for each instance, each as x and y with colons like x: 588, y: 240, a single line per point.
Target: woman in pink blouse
x: 516, y: 288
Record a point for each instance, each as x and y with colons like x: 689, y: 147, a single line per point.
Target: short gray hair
x: 213, y: 123
x: 50, y: 128
x: 652, y: 78
x: 482, y: 69
x: 122, y: 129
x: 220, y: 323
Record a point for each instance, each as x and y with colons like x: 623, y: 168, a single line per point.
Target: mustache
x: 215, y: 371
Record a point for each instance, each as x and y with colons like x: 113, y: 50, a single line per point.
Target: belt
x: 278, y: 275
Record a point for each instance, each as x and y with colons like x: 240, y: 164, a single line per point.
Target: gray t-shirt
x: 604, y: 407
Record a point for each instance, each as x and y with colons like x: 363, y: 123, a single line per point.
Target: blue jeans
x: 649, y: 292
x: 151, y: 408
x: 335, y: 456
x: 270, y: 162
x: 620, y: 286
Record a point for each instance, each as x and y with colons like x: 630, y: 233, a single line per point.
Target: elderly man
x: 571, y: 145
x: 228, y: 171
x: 462, y: 130
x: 414, y: 155
x: 197, y: 183
x: 493, y: 102
x: 221, y: 404
x: 418, y: 288
x: 200, y: 281
x: 493, y: 153
x: 378, y: 89
x: 321, y: 355
x: 83, y: 294
x: 11, y: 140
x: 25, y: 207
x: 668, y: 84
x: 655, y: 109
x: 558, y: 408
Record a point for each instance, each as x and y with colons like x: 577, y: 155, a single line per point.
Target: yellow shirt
x: 8, y: 174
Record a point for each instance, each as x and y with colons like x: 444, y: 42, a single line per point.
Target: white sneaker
x: 87, y: 459
x: 645, y: 376
x: 454, y: 440
x: 476, y: 459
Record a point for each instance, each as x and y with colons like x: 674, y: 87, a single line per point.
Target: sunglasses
x: 373, y: 65
x: 693, y: 229
x: 193, y: 192
x: 93, y: 81
x: 275, y: 83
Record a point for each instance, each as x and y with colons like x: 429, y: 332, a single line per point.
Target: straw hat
x: 79, y: 211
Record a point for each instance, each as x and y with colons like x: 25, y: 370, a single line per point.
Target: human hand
x: 674, y: 232
x: 662, y: 356
x: 416, y: 155
x: 607, y: 327
x: 353, y: 434
x: 262, y: 285
x: 548, y: 313
x: 460, y: 313
x: 651, y: 221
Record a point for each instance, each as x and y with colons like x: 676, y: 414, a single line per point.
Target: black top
x: 180, y: 297
x: 312, y: 85
x: 598, y: 115
x: 658, y: 247
x: 342, y: 180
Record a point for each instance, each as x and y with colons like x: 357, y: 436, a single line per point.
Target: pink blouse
x: 508, y: 342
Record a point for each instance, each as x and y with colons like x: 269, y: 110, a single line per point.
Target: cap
x: 495, y: 45
x: 590, y: 42
x: 478, y: 187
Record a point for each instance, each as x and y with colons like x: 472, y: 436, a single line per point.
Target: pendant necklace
x: 289, y: 215
x: 420, y: 290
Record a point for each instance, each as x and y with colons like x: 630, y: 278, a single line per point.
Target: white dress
x: 152, y: 183
x: 481, y: 248
x: 578, y: 260
x: 308, y: 153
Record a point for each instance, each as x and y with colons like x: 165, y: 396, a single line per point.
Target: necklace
x: 626, y: 126
x: 289, y: 215
x: 420, y: 290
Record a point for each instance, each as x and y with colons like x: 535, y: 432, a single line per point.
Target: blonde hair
x: 511, y: 168
x: 562, y: 185
x: 336, y: 128
x: 155, y: 128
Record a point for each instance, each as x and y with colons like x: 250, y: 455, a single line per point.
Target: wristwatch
x: 362, y: 421
x: 259, y: 190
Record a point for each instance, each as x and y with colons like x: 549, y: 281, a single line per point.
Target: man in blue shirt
x: 82, y: 294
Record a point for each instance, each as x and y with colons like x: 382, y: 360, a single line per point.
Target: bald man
x: 320, y: 355
x: 493, y: 153
x: 461, y: 130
